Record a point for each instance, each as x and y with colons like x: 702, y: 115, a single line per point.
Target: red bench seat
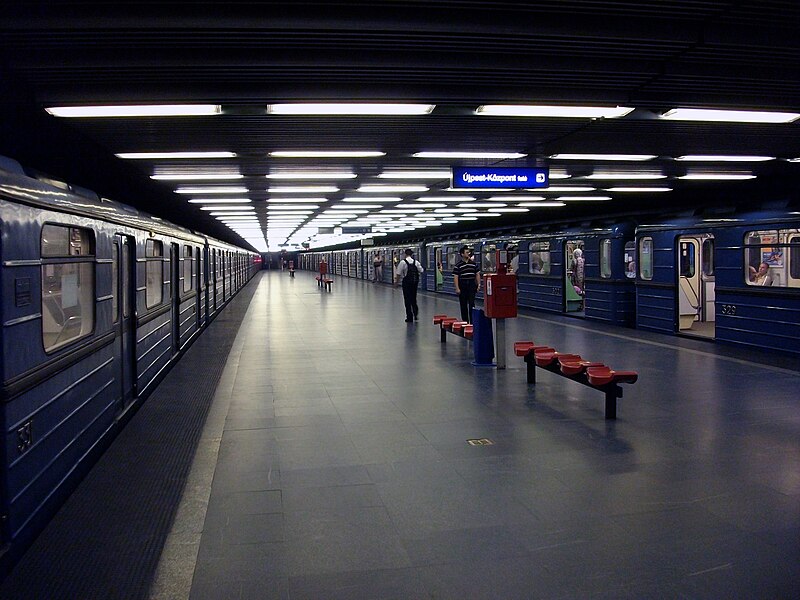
x: 602, y: 375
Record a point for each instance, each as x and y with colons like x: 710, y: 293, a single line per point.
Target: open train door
x: 696, y: 297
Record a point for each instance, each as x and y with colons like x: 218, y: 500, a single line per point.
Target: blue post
x: 482, y: 339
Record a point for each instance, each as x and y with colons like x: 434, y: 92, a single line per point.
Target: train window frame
x: 542, y: 252
x: 707, y: 256
x: 605, y: 258
x: 646, y: 266
x: 154, y: 273
x: 778, y: 250
x: 687, y: 263
x: 452, y: 257
x: 77, y: 254
x: 489, y: 258
x: 188, y: 269
x: 629, y: 259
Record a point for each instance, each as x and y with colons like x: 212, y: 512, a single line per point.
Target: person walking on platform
x: 408, y: 272
x: 467, y: 279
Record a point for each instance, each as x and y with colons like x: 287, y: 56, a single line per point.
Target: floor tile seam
x: 200, y: 475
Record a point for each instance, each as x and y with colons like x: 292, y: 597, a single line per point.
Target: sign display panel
x: 499, y: 177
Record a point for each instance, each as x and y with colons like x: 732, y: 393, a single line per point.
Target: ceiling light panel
x: 219, y: 200
x: 729, y: 116
x: 327, y: 154
x: 619, y: 157
x: 415, y: 175
x: 212, y: 190
x: 723, y: 158
x: 173, y: 155
x: 379, y: 188
x: 637, y: 189
x: 302, y: 189
x: 467, y: 155
x: 587, y: 112
x: 300, y: 175
x: 198, y: 177
x: 144, y: 110
x: 350, y: 108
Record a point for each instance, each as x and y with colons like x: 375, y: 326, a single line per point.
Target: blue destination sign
x: 499, y: 177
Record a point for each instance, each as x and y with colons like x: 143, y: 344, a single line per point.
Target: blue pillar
x: 482, y: 339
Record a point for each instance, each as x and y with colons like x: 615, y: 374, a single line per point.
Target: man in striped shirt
x: 467, y: 279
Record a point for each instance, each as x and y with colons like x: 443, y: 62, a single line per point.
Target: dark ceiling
x: 652, y: 56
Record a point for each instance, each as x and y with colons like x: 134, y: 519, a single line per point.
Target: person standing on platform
x: 467, y: 279
x: 377, y: 267
x: 408, y: 272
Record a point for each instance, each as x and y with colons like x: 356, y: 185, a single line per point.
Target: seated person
x: 762, y: 276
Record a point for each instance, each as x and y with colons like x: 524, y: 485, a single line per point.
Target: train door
x: 574, y: 277
x: 695, y: 272
x: 175, y: 295
x: 437, y: 259
x: 123, y: 255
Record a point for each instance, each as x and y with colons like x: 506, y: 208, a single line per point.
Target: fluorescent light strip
x: 482, y: 204
x: 620, y: 157
x: 445, y: 198
x: 142, y: 110
x: 509, y: 210
x: 326, y: 154
x: 197, y: 177
x: 447, y: 155
x: 422, y: 205
x: 623, y: 176
x: 218, y: 200
x: 212, y: 190
x: 354, y: 206
x: 415, y: 175
x: 302, y: 189
x: 295, y: 200
x: 637, y: 189
x: 730, y: 116
x: 517, y: 198
x: 292, y: 207
x: 378, y: 188
x: 350, y: 108
x: 723, y: 158
x: 567, y: 188
x: 235, y: 207
x: 590, y: 112
x: 583, y: 198
x: 542, y: 204
x: 173, y: 155
x: 375, y: 199
x: 717, y: 177
x: 312, y: 175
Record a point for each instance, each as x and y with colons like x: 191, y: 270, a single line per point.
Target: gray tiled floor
x: 344, y: 471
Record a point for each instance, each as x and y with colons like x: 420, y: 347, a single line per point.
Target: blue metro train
x: 99, y: 300
x: 735, y: 280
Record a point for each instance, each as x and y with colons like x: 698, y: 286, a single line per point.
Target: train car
x: 735, y: 280
x: 98, y: 302
x: 582, y: 273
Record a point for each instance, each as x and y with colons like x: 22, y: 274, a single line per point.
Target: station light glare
x: 588, y: 112
x: 143, y: 110
x: 729, y: 116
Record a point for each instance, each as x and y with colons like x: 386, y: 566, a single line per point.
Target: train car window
x: 489, y: 258
x: 605, y: 258
x: 646, y: 258
x: 630, y: 259
x: 154, y: 273
x: 794, y: 260
x: 687, y: 259
x: 707, y: 251
x: 771, y: 258
x: 539, y: 258
x: 114, y: 282
x: 187, y: 269
x: 452, y: 258
x: 199, y: 265
x: 68, y: 286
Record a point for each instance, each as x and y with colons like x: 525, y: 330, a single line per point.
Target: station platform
x: 323, y: 453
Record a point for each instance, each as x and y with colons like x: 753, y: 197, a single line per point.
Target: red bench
x: 452, y: 325
x: 573, y: 366
x: 324, y: 281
